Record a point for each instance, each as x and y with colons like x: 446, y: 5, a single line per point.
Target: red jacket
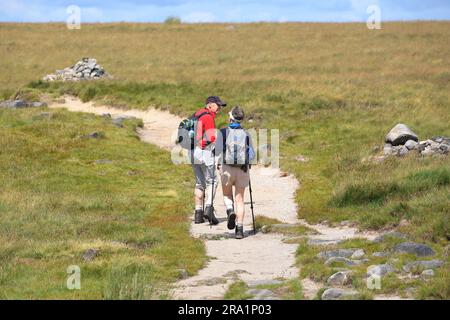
x: 205, y: 125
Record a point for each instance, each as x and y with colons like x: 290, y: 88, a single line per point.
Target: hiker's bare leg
x: 239, y: 204
x: 198, y: 197
x: 227, y: 191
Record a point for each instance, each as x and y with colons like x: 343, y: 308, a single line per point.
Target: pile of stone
x: 85, y: 69
x: 402, y: 140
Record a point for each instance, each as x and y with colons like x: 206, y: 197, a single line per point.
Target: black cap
x: 216, y: 99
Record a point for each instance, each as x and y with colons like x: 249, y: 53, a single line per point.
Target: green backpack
x: 186, y: 131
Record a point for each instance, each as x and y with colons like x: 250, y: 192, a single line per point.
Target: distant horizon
x: 221, y: 11
x: 225, y: 22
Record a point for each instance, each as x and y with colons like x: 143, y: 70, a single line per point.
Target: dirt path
x: 259, y: 257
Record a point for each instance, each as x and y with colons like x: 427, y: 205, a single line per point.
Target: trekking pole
x: 212, y: 187
x: 251, y: 201
x: 204, y: 192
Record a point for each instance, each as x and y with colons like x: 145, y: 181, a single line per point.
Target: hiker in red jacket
x: 203, y: 160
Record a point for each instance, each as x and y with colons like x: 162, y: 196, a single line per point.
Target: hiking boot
x: 231, y: 222
x: 209, y: 214
x: 199, y: 216
x: 239, y: 232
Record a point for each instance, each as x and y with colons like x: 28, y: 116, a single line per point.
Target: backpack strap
x: 200, y: 115
x: 197, y: 118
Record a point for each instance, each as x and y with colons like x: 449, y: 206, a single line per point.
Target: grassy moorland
x: 57, y: 200
x: 333, y: 90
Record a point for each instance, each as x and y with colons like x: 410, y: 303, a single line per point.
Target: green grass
x: 56, y: 202
x: 237, y: 291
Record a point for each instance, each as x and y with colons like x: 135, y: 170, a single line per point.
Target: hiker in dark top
x: 237, y: 151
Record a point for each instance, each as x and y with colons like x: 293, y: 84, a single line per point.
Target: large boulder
x: 342, y: 253
x: 400, y: 134
x: 13, y: 104
x: 424, y: 264
x: 380, y: 270
x: 340, y: 278
x: 336, y: 294
x: 19, y: 103
x: 420, y: 250
x: 392, y: 235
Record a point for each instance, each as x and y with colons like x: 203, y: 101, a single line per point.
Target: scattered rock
x: 425, y: 264
x: 13, y: 104
x: 235, y: 273
x: 393, y: 234
x: 380, y: 254
x: 38, y: 104
x: 402, y: 151
x: 47, y: 115
x: 119, y: 120
x: 360, y: 261
x: 261, y: 294
x: 85, y: 69
x: 183, y: 274
x: 268, y: 282
x: 400, y: 134
x: 420, y: 250
x: 380, y: 270
x: 345, y: 253
x: 387, y: 150
x: 336, y: 294
x: 212, y: 281
x: 102, y: 161
x: 346, y: 261
x: 358, y: 254
x: 340, y: 278
x: 427, y: 273
x: 301, y: 158
x: 282, y: 173
x: 94, y: 135
x: 346, y: 223
x: 90, y: 254
x: 19, y: 104
x: 411, y: 144
x: 323, y: 242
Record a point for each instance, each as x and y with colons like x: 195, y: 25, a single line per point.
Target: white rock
x: 358, y: 254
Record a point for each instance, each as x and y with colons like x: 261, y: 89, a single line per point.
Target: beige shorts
x: 234, y: 176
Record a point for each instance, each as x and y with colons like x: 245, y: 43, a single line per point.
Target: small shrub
x: 172, y: 20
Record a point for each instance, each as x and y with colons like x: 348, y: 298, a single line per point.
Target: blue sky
x: 223, y: 10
